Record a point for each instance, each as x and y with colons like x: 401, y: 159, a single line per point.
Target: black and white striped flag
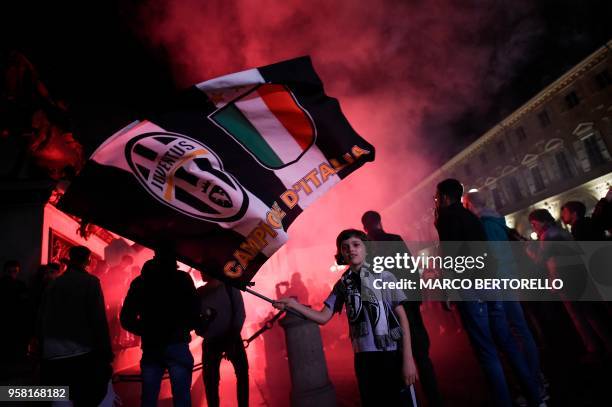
x: 225, y: 172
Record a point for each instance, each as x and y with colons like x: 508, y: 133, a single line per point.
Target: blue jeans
x: 486, y: 326
x: 178, y: 360
x: 521, y: 331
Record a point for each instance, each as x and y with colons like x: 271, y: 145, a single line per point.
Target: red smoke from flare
x: 390, y: 64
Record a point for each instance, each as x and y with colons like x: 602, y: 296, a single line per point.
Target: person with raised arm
x: 378, y: 325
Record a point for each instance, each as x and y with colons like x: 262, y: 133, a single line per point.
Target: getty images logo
x: 186, y: 175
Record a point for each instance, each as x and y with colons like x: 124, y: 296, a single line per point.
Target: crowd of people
x: 63, y: 323
x: 62, y: 319
x: 387, y: 370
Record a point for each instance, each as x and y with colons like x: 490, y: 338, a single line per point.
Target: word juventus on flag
x: 226, y: 172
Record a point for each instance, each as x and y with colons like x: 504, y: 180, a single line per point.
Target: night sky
x: 96, y: 56
x: 571, y: 31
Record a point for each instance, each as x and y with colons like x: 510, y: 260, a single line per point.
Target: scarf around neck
x: 362, y: 298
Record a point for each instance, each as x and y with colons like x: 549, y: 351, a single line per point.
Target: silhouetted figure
x: 44, y: 275
x: 295, y: 289
x: 590, y: 328
x: 161, y: 307
x: 483, y: 320
x: 124, y: 267
x: 73, y: 333
x: 602, y: 213
x: 101, y: 269
x: 419, y: 337
x: 13, y: 313
x: 222, y: 309
x: 583, y: 228
x: 496, y: 232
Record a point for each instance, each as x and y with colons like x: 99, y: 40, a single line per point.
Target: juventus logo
x: 186, y: 175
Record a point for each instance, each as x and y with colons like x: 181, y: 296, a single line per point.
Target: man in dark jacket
x: 372, y: 224
x: 73, y: 333
x: 161, y: 307
x: 602, y: 213
x: 591, y: 321
x: 222, y: 308
x: 583, y: 228
x: 482, y: 320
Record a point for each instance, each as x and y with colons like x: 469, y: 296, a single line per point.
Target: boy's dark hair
x: 576, y: 207
x: 541, y: 215
x: 602, y: 213
x: 79, y: 255
x: 347, y: 234
x: 451, y: 188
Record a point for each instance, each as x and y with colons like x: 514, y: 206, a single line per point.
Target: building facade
x: 555, y: 148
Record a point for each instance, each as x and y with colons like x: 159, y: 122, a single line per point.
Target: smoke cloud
x: 399, y: 70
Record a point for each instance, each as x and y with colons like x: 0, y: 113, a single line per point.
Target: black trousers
x: 212, y: 352
x: 419, y: 340
x: 380, y: 380
x: 86, y: 376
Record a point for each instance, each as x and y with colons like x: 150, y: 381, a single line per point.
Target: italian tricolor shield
x: 269, y: 123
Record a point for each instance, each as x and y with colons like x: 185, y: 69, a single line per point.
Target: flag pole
x: 271, y: 301
x: 256, y: 294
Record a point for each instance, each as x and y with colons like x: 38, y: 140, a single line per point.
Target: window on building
x: 483, y: 159
x: 538, y: 181
x: 520, y: 134
x: 515, y: 190
x: 497, y: 199
x: 468, y: 170
x: 564, y: 167
x: 572, y: 100
x: 501, y: 147
x: 593, y: 152
x: 544, y: 118
x: 603, y: 79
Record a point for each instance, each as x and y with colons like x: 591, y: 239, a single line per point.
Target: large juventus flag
x: 225, y: 171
